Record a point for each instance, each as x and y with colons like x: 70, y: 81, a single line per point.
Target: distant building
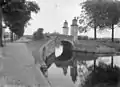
x: 65, y: 28
x: 74, y: 28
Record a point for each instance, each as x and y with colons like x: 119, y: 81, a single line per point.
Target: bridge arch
x: 67, y: 42
x: 67, y: 47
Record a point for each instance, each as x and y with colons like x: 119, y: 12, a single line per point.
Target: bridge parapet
x: 60, y: 38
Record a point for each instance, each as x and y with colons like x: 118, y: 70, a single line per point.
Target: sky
x: 53, y: 13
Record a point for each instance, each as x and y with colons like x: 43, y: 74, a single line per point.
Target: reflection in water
x: 73, y: 73
x: 65, y: 63
x: 65, y: 70
x: 70, y: 70
x: 67, y: 51
x: 70, y: 67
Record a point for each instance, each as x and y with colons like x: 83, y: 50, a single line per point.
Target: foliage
x: 103, y: 74
x: 17, y: 14
x: 102, y: 13
x: 113, y: 15
x: 89, y: 8
x: 94, y: 11
x: 38, y: 35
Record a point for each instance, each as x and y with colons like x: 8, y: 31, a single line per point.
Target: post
x: 3, y: 35
x: 112, y: 62
x: 94, y: 64
x: 112, y: 32
x: 1, y: 29
x: 11, y: 36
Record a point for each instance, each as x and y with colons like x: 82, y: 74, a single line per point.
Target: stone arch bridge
x: 48, y: 48
x: 91, y: 47
x: 60, y: 38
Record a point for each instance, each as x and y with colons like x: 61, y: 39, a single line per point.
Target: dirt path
x: 18, y: 64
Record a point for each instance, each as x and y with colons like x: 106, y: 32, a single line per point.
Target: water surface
x: 68, y: 74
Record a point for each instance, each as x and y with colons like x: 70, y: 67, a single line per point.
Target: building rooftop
x: 74, y: 22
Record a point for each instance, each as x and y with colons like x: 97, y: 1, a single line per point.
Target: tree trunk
x: 94, y: 65
x: 112, y: 61
x: 14, y: 36
x: 11, y: 36
x: 95, y: 33
x: 112, y: 32
x: 1, y: 30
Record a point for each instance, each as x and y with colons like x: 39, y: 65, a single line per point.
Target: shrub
x: 103, y: 74
x: 38, y: 35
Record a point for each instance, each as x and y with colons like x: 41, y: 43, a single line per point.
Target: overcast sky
x: 53, y: 13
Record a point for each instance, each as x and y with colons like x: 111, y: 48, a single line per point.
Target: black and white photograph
x: 59, y: 43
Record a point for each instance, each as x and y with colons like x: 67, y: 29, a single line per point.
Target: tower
x: 74, y: 28
x: 65, y: 28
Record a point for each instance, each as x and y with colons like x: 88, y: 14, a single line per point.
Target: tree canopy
x: 16, y: 15
x: 102, y: 13
x: 38, y: 35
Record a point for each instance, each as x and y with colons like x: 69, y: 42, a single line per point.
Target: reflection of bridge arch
x: 67, y: 51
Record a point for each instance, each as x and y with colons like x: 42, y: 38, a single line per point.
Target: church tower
x: 74, y: 28
x: 65, y: 28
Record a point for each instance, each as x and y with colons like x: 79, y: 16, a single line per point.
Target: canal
x: 68, y: 73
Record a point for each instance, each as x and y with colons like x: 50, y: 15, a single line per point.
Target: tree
x: 94, y: 12
x: 113, y: 15
x: 38, y: 35
x: 17, y: 13
x: 102, y: 13
x: 1, y: 43
x: 21, y: 13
